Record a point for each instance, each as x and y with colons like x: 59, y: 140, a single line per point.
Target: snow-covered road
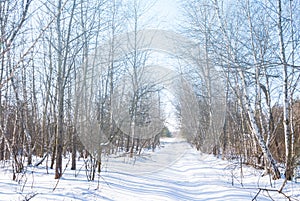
x: 184, y: 175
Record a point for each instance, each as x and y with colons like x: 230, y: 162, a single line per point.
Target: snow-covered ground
x: 175, y: 171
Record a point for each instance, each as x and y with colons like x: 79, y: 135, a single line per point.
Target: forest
x: 70, y: 85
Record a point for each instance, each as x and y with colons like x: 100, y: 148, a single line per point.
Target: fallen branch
x: 271, y: 190
x: 61, y: 175
x: 30, y: 196
x: 41, y: 161
x: 256, y: 195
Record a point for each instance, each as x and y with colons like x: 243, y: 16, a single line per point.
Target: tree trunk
x: 256, y: 132
x: 60, y: 97
x: 73, y: 166
x: 286, y: 103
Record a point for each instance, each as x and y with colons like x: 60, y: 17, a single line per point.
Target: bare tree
x: 290, y: 78
x: 62, y: 45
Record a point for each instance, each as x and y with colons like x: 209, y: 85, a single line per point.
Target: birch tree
x: 288, y: 46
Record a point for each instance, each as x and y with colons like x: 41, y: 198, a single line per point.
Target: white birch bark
x: 285, y: 100
x: 249, y: 110
x: 255, y: 129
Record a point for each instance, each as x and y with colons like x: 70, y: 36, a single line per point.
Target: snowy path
x: 174, y: 172
x: 191, y: 177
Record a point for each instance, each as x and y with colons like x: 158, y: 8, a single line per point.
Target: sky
x: 165, y: 13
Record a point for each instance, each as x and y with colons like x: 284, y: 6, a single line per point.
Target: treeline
x: 255, y: 46
x: 48, y: 50
x: 238, y: 141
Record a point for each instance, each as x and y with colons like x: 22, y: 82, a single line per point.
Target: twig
x: 270, y: 196
x: 32, y: 179
x: 25, y: 181
x: 283, y: 185
x: 16, y: 66
x: 24, y: 184
x: 76, y: 174
x: 41, y: 161
x: 31, y: 195
x: 105, y: 181
x: 61, y: 175
x: 271, y: 190
x: 256, y: 195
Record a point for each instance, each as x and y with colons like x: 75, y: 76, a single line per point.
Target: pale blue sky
x: 165, y: 14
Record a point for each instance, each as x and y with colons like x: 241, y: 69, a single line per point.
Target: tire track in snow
x: 191, y: 176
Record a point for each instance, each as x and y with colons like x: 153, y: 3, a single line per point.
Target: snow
x: 175, y: 171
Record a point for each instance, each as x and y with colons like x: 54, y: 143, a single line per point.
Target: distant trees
x: 205, y: 82
x: 112, y: 92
